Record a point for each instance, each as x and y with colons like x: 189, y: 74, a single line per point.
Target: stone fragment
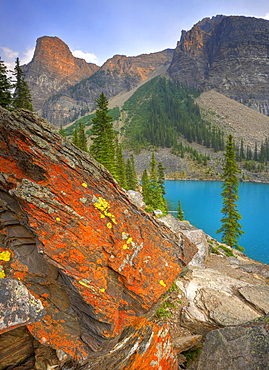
x: 136, y: 198
x: 258, y: 297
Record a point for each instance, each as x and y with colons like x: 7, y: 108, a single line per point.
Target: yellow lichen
x: 125, y: 246
x: 102, y: 290
x: 5, y: 256
x: 84, y: 284
x: 162, y: 283
x: 109, y: 225
x: 2, y: 274
x: 57, y: 219
x: 103, y: 206
x: 84, y: 185
x: 129, y: 240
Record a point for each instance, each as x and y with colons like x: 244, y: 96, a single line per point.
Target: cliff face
x: 94, y: 264
x: 54, y: 67
x: 119, y: 74
x: 229, y: 54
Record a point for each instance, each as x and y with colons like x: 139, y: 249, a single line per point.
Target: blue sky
x: 98, y: 29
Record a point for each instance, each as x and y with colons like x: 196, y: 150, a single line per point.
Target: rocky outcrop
x: 53, y: 68
x: 119, y: 74
x: 237, y: 347
x: 20, y: 307
x: 98, y: 263
x: 228, y: 54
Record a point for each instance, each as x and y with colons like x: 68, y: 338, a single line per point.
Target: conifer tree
x: 103, y: 136
x: 153, y: 188
x: 75, y: 137
x: 62, y: 132
x: 22, y: 96
x: 82, y: 139
x: 131, y: 177
x: 5, y: 86
x: 120, y: 167
x: 145, y: 186
x: 161, y: 178
x: 180, y: 213
x: 231, y: 229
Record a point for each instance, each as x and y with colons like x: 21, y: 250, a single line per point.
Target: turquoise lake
x: 201, y: 203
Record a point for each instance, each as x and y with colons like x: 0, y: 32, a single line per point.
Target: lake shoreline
x: 201, y: 203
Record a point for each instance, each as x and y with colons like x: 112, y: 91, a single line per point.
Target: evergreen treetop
x: 231, y: 229
x: 103, y: 147
x: 5, y: 86
x: 22, y: 96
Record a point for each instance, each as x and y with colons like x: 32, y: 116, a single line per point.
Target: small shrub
x: 191, y: 355
x: 214, y: 250
x: 162, y: 312
x: 173, y: 287
x: 228, y: 251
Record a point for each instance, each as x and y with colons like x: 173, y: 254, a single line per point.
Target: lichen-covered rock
x: 17, y: 306
x: 97, y: 262
x: 17, y: 347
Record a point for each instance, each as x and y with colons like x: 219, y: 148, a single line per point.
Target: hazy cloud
x: 8, y: 56
x: 90, y: 58
x: 27, y: 56
x: 267, y: 16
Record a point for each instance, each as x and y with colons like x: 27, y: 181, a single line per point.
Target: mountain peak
x: 54, y: 67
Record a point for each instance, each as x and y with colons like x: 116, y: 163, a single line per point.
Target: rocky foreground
x: 91, y: 281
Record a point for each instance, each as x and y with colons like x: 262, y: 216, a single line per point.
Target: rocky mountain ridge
x: 228, y: 54
x: 63, y: 86
x: 225, y: 53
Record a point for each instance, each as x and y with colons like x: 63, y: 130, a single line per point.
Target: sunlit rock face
x: 228, y: 54
x: 53, y: 68
x: 97, y: 262
x: 61, y: 86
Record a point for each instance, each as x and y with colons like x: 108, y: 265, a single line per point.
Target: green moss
x: 191, y: 355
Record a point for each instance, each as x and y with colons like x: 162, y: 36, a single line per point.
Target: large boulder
x: 215, y: 300
x: 237, y: 347
x: 98, y: 263
x: 196, y: 236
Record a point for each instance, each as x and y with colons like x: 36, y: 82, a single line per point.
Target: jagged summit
x: 53, y: 67
x: 229, y: 54
x: 225, y: 53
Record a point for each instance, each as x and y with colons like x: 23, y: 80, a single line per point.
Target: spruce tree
x: 22, y: 96
x: 120, y: 167
x: 180, y: 213
x: 131, y: 177
x: 153, y: 187
x: 145, y: 186
x: 81, y: 137
x: 103, y: 136
x: 75, y: 137
x: 231, y: 229
x: 5, y: 86
x: 62, y: 132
